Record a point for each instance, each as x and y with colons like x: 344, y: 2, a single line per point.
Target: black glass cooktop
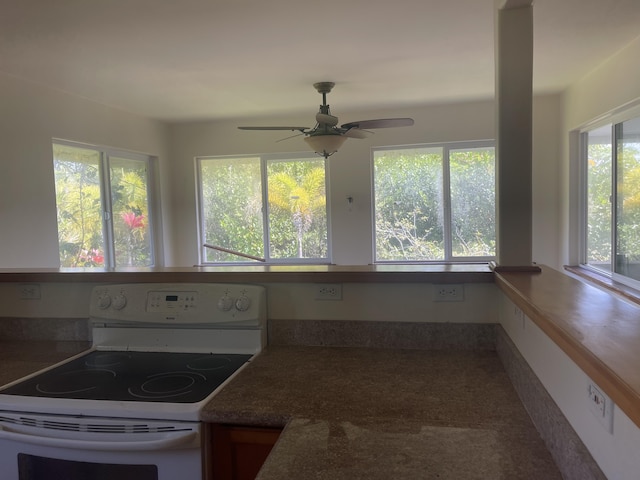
x: 134, y: 376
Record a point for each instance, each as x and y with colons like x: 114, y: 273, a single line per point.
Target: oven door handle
x: 169, y: 441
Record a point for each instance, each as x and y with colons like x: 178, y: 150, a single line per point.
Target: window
x: 102, y: 200
x: 611, y: 160
x: 434, y: 202
x: 263, y: 207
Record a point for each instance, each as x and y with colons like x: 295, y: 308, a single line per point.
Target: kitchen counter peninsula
x: 376, y: 413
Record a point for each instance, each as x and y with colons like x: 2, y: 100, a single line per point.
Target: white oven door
x: 42, y: 447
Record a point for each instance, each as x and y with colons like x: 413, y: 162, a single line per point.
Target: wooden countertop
x: 599, y: 331
x: 387, y: 273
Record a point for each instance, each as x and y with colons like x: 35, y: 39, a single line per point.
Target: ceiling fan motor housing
x: 324, y: 87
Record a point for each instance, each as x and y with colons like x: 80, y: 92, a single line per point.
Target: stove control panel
x: 207, y: 303
x: 170, y: 301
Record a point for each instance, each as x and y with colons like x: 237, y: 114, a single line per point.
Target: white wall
x: 616, y: 453
x: 350, y: 168
x: 546, y: 163
x: 394, y: 302
x: 30, y: 117
x: 611, y: 86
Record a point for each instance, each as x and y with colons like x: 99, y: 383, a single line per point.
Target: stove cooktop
x: 133, y: 376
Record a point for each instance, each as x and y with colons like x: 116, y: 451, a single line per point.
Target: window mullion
x: 614, y: 197
x: 152, y: 218
x: 583, y: 174
x: 446, y: 205
x: 201, y: 228
x: 107, y: 208
x: 265, y: 210
x: 327, y: 179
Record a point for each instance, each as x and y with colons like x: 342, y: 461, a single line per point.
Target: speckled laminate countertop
x: 362, y: 413
x: 18, y: 359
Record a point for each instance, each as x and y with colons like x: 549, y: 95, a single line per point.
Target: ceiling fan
x: 327, y: 137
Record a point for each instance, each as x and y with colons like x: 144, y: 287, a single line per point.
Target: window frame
x: 446, y: 147
x: 613, y: 119
x: 105, y: 154
x: 264, y: 159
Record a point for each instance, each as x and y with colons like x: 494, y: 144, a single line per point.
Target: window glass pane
x: 79, y: 207
x: 130, y: 212
x: 628, y: 199
x: 599, y: 173
x: 297, y: 209
x: 231, y: 191
x: 472, y: 185
x: 409, y: 204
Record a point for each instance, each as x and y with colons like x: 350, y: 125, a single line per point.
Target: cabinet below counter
x: 237, y: 452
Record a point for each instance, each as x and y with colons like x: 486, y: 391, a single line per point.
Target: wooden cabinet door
x: 237, y: 453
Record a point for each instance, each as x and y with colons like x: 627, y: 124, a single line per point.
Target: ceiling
x: 184, y: 60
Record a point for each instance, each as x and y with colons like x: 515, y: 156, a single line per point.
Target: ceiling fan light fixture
x: 325, y: 145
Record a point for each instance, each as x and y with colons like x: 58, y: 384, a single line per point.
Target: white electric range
x: 129, y: 407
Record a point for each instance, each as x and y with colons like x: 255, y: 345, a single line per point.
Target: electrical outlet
x: 519, y: 316
x: 448, y: 293
x: 601, y: 406
x: 328, y: 291
x: 29, y: 291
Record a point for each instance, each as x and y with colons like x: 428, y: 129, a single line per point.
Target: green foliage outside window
x: 297, y: 209
x: 613, y: 198
x: 130, y: 212
x: 628, y: 199
x: 79, y: 207
x: 232, y: 214
x: 599, y: 203
x: 231, y: 191
x: 472, y: 174
x: 408, y: 203
x: 414, y: 211
x: 84, y: 209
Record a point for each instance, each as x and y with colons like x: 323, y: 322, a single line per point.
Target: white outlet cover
x: 29, y: 291
x: 448, y: 292
x: 600, y: 405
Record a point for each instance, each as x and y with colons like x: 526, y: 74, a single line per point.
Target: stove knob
x: 120, y: 301
x: 104, y: 301
x: 225, y: 303
x: 243, y: 303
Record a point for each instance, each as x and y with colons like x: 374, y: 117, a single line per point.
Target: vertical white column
x: 513, y: 91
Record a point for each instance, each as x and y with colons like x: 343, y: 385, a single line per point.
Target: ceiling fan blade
x: 380, y: 123
x: 326, y: 119
x: 357, y: 133
x: 291, y: 136
x: 301, y: 129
